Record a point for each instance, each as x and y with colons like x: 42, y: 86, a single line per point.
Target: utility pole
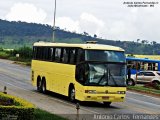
x: 54, y: 21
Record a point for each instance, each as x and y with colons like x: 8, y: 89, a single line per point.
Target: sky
x: 108, y: 19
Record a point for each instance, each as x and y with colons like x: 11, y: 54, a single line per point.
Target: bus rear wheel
x: 72, y: 94
x: 43, y: 86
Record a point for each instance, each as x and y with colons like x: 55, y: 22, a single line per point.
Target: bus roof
x: 141, y: 59
x: 83, y: 46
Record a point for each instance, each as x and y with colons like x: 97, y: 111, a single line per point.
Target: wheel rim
x: 43, y: 87
x: 38, y: 86
x: 72, y: 95
x: 130, y: 82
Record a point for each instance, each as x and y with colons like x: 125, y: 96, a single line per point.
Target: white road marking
x: 144, y: 102
x: 143, y: 95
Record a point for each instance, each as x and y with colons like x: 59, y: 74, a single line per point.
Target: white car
x: 145, y: 77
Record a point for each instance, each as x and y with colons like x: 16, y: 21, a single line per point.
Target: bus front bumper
x: 104, y: 98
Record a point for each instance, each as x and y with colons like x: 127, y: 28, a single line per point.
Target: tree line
x: 18, y: 34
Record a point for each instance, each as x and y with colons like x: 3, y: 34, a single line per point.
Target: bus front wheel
x: 107, y: 104
x: 72, y: 94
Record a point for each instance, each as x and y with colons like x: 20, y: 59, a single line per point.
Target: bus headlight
x: 90, y: 91
x: 121, y: 92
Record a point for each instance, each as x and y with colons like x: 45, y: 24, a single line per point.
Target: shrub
x: 152, y: 85
x: 24, y: 52
x: 3, y: 55
x: 157, y: 86
x: 18, y: 108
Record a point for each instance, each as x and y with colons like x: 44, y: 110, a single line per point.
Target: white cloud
x: 86, y: 23
x: 91, y: 24
x: 26, y: 12
x: 67, y: 23
x: 108, y: 19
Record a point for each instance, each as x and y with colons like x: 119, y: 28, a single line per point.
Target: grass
x: 6, y: 55
x: 43, y: 115
x: 144, y: 89
x: 3, y: 55
x: 10, y: 102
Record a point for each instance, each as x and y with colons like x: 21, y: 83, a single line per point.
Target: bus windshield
x: 104, y: 56
x: 102, y: 74
x: 106, y: 75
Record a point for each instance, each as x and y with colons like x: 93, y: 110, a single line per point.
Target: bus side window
x: 80, y: 55
x: 155, y: 66
x: 39, y: 53
x: 42, y: 53
x: 61, y: 55
x: 52, y: 53
x: 57, y: 54
x: 138, y: 65
x: 72, y: 56
x: 149, y: 66
x: 145, y: 66
x: 65, y: 57
x: 45, y: 54
x: 48, y: 54
x: 34, y: 52
x: 41, y: 49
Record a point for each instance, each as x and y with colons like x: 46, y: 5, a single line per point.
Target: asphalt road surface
x: 17, y: 79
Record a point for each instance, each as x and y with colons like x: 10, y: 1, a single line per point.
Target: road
x: 17, y: 79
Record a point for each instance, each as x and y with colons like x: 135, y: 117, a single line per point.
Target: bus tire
x: 107, y: 104
x: 72, y: 94
x: 39, y: 84
x: 43, y: 87
x: 130, y: 82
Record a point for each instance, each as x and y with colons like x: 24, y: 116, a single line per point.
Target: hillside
x: 16, y: 34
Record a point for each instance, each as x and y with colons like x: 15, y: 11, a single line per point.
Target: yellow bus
x: 84, y: 72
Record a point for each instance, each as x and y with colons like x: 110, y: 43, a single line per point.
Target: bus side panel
x: 33, y: 77
x: 63, y: 75
x: 34, y: 74
x: 58, y: 76
x: 39, y: 68
x: 79, y: 90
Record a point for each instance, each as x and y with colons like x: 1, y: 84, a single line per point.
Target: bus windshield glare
x: 100, y: 74
x: 104, y: 56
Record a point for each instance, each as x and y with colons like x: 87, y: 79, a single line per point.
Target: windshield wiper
x: 107, y: 74
x: 110, y: 75
x: 104, y: 75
